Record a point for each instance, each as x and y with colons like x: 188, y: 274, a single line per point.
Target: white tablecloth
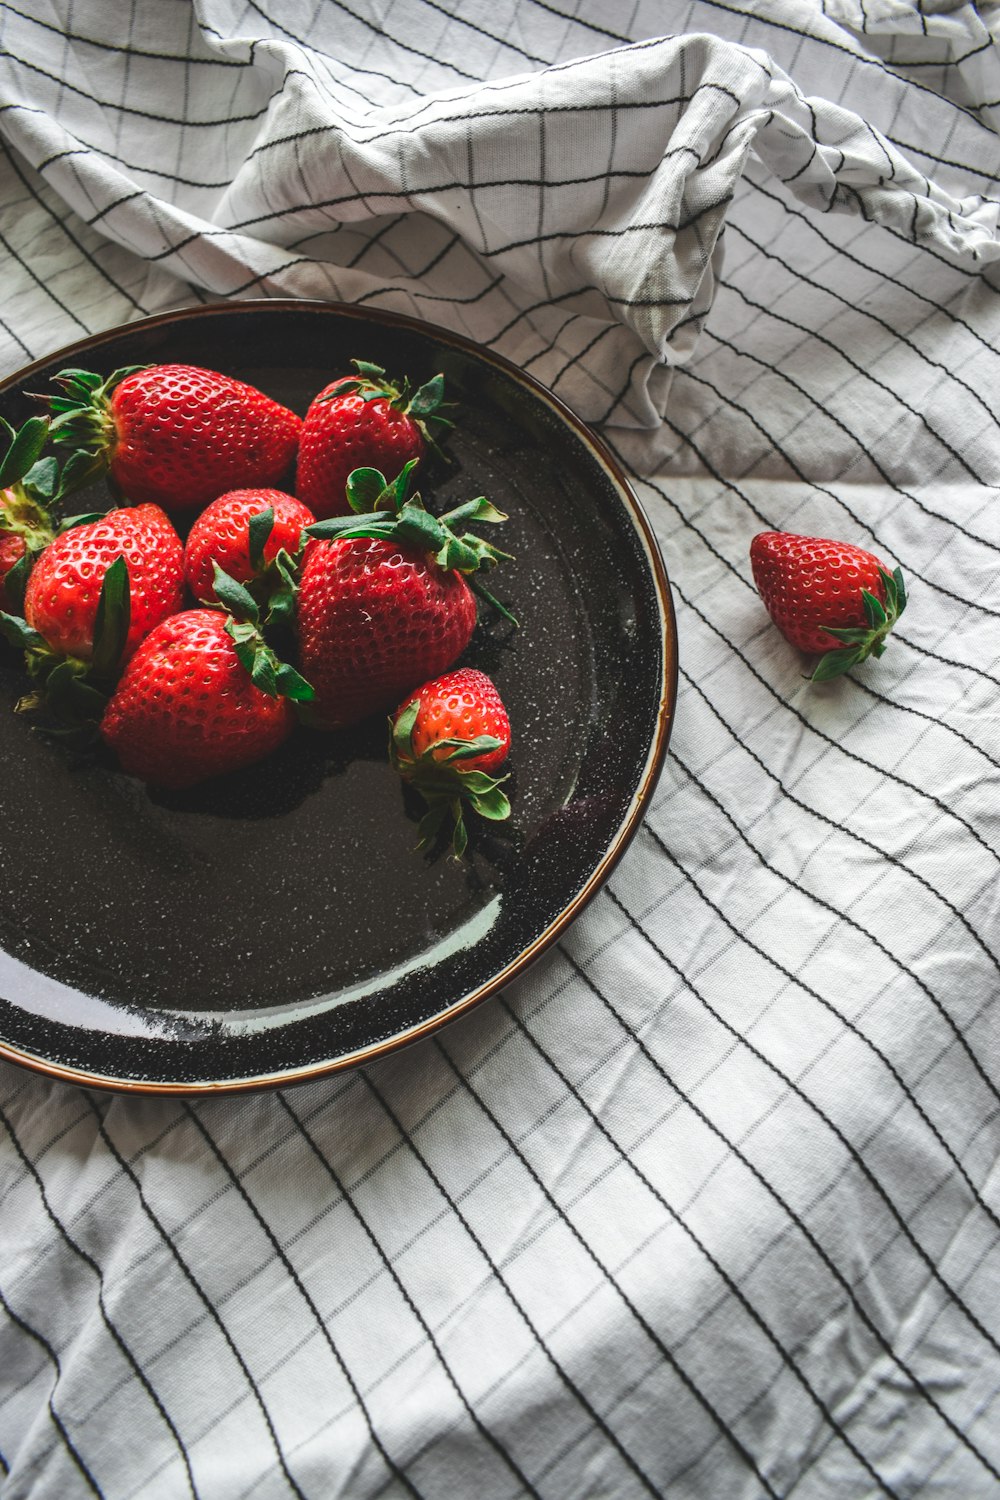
x: 707, y: 1204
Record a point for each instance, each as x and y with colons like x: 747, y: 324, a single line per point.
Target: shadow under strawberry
x: 271, y: 788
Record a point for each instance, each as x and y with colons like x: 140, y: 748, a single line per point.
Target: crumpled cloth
x: 707, y: 1203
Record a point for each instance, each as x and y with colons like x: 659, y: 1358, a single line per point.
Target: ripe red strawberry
x: 457, y: 711
x: 825, y: 594
x: 62, y: 595
x: 175, y: 435
x: 385, y: 605
x: 223, y: 534
x: 186, y: 708
x: 446, y: 740
x: 363, y: 421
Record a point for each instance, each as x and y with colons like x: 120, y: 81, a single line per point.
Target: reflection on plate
x: 277, y: 924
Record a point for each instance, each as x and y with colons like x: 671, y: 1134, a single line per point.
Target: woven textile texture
x: 707, y: 1204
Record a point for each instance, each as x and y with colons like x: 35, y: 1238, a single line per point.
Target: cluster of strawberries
x: 372, y: 594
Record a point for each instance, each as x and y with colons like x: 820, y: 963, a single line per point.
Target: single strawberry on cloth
x: 706, y: 1202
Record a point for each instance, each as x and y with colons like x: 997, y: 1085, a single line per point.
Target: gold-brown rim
x: 80, y: 1077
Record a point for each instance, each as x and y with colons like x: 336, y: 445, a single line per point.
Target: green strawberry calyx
x: 444, y: 785
x: 382, y: 509
x: 866, y: 640
x: 83, y: 422
x: 276, y: 678
x: 425, y: 406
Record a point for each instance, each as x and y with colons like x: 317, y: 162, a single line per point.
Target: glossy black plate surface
x: 278, y: 923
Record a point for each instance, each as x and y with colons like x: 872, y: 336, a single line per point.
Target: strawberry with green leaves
x: 173, y: 435
x: 94, y: 593
x: 363, y: 421
x: 827, y: 597
x: 245, y: 532
x: 64, y: 588
x: 447, y: 740
x: 387, y: 596
x: 27, y: 482
x: 187, y: 708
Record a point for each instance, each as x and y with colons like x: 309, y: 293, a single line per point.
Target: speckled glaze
x: 277, y: 924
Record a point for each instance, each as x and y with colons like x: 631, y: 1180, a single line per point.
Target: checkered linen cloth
x: 707, y: 1203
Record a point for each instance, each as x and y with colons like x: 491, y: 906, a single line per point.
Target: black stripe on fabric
x: 820, y: 338
x: 918, y: 713
x: 455, y: 17
x: 428, y: 1332
x: 849, y: 1025
x: 567, y: 1380
x: 857, y: 57
x: 152, y: 115
x: 908, y: 1373
x: 855, y: 1154
x: 124, y: 49
x: 910, y: 147
x: 16, y: 339
x: 840, y: 250
x: 707, y: 1406
x: 376, y: 31
x: 882, y: 852
x: 233, y: 1177
x: 73, y: 239
x: 92, y: 1265
x: 105, y: 153
x: 57, y: 1421
x: 894, y: 332
x: 334, y: 82
x: 4, y: 1465
x: 976, y: 276
x: 26, y: 268
x: 577, y: 20
x: 946, y: 661
x: 201, y: 1294
x: 795, y: 1218
x: 408, y: 194
x: 619, y: 398
x: 732, y: 1286
x: 941, y: 63
x: 369, y: 244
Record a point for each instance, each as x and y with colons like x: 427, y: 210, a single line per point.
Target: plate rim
x: 641, y: 795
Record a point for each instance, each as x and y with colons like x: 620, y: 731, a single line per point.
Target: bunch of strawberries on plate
x: 176, y: 652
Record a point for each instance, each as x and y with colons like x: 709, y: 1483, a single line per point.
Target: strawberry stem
x: 442, y: 783
x: 860, y: 642
x: 393, y: 517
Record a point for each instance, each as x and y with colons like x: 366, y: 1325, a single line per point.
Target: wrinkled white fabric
x: 707, y: 1203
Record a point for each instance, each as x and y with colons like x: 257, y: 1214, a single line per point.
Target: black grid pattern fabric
x: 707, y: 1204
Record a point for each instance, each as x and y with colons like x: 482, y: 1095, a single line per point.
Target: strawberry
x: 446, y: 740
x: 187, y: 709
x: 384, y: 601
x: 825, y: 594
x: 173, y: 435
x: 363, y: 421
x: 25, y: 525
x: 243, y: 531
x: 61, y: 599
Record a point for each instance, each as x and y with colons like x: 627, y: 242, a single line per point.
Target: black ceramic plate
x: 278, y: 924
